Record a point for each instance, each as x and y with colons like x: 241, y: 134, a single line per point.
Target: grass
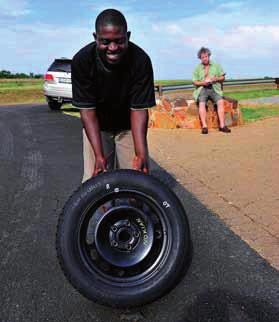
x: 20, y: 88
x: 17, y: 91
x: 253, y: 94
x: 21, y: 96
x: 68, y: 109
x: 20, y: 84
x: 22, y: 80
x: 258, y: 113
x: 173, y: 82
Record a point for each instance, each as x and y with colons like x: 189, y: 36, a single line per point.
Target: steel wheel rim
x: 139, y: 204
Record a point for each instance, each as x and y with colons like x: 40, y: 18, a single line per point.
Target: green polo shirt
x: 199, y: 75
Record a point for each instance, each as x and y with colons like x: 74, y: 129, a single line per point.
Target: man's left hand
x: 140, y: 164
x: 214, y: 79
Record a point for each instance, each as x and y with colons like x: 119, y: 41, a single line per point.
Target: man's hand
x: 214, y: 79
x: 140, y: 164
x: 207, y: 81
x: 139, y: 123
x: 100, y: 165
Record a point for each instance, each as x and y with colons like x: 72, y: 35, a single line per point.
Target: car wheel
x: 54, y: 105
x: 123, y: 239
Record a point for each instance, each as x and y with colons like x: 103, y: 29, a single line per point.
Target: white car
x: 58, y: 83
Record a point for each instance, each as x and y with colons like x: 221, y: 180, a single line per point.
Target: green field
x: 253, y: 94
x: 173, y: 82
x: 21, y: 84
x: 17, y: 91
x: 253, y: 114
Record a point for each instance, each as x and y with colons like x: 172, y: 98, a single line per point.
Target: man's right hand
x: 100, y: 165
x: 207, y: 81
x: 140, y: 164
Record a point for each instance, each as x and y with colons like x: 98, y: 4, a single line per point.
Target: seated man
x: 207, y: 77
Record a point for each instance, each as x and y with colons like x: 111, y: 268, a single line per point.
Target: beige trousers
x: 118, y: 150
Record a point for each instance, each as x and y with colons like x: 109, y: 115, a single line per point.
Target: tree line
x: 8, y: 74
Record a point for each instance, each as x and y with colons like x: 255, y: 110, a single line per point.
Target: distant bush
x: 8, y: 74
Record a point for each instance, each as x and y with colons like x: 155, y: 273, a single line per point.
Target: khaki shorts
x: 118, y: 150
x: 209, y: 93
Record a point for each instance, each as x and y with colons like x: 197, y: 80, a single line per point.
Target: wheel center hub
x: 124, y: 235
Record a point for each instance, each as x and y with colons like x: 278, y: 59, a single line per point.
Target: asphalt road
x: 40, y: 166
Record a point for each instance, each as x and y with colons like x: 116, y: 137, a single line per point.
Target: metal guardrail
x: 167, y: 88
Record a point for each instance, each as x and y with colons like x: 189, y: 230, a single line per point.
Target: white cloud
x: 262, y: 30
x: 239, y: 42
x: 173, y: 28
x: 231, y: 5
x: 155, y: 27
x: 14, y: 8
x: 97, y: 8
x: 240, y: 38
x: 233, y: 34
x: 33, y: 47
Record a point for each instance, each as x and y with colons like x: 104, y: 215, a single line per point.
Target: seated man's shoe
x: 224, y: 129
x: 204, y: 130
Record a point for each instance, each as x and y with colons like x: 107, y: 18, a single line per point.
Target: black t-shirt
x: 112, y: 90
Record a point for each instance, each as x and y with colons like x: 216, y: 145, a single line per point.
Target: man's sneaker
x: 224, y: 129
x: 204, y: 130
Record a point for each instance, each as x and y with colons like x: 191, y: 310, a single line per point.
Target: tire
x: 54, y: 105
x: 123, y: 239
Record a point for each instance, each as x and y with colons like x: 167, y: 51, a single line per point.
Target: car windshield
x: 60, y: 66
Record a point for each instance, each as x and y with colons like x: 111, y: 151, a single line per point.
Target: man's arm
x: 139, y: 125
x: 219, y: 79
x: 220, y: 75
x: 214, y: 79
x: 91, y: 125
x: 200, y: 83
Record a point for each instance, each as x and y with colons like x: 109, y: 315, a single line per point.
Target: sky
x: 243, y: 36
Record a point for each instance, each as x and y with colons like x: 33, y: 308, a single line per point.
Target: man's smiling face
x: 112, y: 43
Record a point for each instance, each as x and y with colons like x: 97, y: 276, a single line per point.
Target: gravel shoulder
x: 235, y: 175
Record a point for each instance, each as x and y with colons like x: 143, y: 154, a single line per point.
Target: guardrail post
x: 277, y: 82
x: 160, y: 91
